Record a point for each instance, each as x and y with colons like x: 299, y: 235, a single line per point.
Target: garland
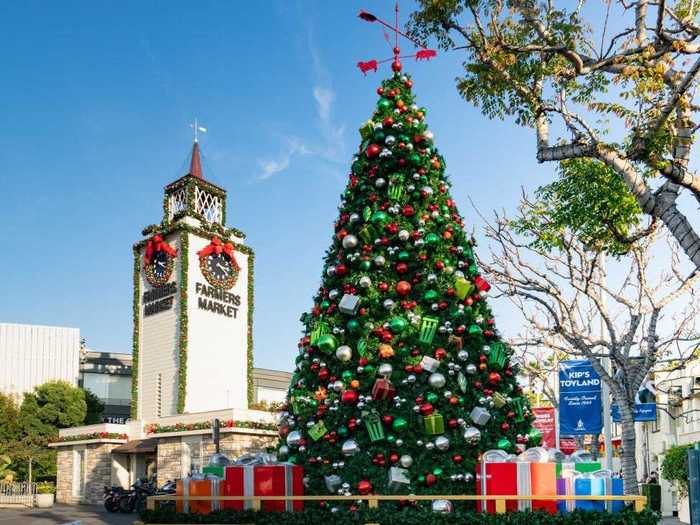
x: 155, y: 428
x: 183, y: 229
x: 182, y: 374
x: 93, y: 435
x: 136, y: 334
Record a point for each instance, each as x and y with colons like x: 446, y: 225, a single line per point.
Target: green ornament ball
x: 353, y: 325
x: 343, y: 431
x: 421, y: 479
x: 398, y: 325
x: 399, y: 425
x: 365, y: 265
x: 370, y: 370
x: 430, y: 296
x: 535, y: 436
x: 379, y: 135
x: 325, y: 304
x: 404, y: 255
x: 414, y: 159
x: 384, y: 104
x: 347, y: 376
x: 432, y: 239
x: 293, y: 459
x: 379, y: 217
x: 391, y: 438
x: 437, y: 472
x: 504, y: 444
x: 431, y: 397
x: 327, y: 343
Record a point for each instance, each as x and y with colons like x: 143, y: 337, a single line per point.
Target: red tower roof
x: 196, y: 162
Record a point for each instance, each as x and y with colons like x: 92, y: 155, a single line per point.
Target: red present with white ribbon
x: 260, y: 475
x: 497, y: 475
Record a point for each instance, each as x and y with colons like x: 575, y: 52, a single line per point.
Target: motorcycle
x: 136, y: 499
x: 111, y: 498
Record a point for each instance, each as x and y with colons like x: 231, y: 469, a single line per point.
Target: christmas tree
x: 401, y: 379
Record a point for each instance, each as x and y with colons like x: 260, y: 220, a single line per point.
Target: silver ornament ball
x: 344, y: 353
x: 350, y: 242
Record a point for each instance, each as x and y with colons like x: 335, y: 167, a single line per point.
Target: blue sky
x: 97, y: 97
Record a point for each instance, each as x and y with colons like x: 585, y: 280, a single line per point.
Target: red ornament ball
x: 457, y: 458
x: 372, y: 151
x: 426, y: 409
x: 403, y: 288
x: 401, y: 267
x: 349, y: 397
x: 364, y: 487
x: 430, y: 480
x: 440, y: 353
x: 494, y: 378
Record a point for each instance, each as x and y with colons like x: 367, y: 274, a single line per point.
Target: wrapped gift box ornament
x: 383, y: 389
x: 259, y: 475
x: 497, y: 475
x: 198, y: 485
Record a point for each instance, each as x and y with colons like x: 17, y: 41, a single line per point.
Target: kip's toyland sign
x: 159, y: 299
x: 579, y: 399
x: 217, y: 300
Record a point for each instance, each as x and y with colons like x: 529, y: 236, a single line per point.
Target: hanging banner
x: 544, y: 422
x: 579, y: 399
x: 644, y: 403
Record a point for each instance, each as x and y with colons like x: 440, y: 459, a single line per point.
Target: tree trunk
x: 629, y: 449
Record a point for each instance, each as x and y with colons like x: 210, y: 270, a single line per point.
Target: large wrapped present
x: 580, y: 461
x: 198, y: 485
x: 600, y: 483
x: 497, y: 475
x: 260, y: 475
x: 543, y: 478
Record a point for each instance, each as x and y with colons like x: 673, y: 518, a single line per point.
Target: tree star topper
x: 423, y: 54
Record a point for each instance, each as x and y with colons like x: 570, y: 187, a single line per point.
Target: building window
x: 111, y: 389
x: 192, y: 455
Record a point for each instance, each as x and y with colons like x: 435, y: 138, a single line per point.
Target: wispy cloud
x: 329, y: 144
x: 270, y: 167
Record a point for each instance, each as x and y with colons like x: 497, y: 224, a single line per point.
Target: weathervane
x: 423, y: 54
x: 197, y: 128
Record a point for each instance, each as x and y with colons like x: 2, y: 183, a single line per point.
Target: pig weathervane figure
x: 371, y: 65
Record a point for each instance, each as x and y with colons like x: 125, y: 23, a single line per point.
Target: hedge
x: 389, y: 515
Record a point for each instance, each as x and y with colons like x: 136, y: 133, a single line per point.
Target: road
x: 63, y: 515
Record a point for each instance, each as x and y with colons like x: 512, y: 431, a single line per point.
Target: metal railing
x: 17, y: 493
x: 374, y: 499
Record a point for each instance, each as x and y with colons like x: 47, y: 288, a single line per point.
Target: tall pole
x: 605, y: 389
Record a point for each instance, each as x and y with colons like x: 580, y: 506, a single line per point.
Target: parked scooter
x: 136, y: 499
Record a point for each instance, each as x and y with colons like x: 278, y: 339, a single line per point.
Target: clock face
x: 220, y: 270
x: 160, y: 268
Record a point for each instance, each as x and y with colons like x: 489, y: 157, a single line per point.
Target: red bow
x: 217, y: 247
x: 157, y: 244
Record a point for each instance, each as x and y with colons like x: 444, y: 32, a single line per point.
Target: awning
x: 137, y: 446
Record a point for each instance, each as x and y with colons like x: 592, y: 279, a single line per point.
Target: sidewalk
x: 670, y: 521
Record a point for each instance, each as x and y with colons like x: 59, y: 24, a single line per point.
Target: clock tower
x: 193, y: 305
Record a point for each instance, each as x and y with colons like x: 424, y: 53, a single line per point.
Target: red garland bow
x: 217, y: 247
x: 157, y: 244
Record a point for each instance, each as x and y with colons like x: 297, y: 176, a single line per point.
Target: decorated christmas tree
x: 402, y: 379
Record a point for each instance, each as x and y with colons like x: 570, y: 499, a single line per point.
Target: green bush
x: 390, y: 515
x: 653, y: 493
x: 675, y: 467
x: 46, y: 488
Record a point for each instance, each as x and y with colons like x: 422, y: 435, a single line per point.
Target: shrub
x: 46, y: 487
x: 390, y: 515
x: 675, y: 467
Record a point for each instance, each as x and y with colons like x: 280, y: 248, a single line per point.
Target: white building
x: 31, y: 355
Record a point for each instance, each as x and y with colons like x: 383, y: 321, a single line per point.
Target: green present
x: 498, y: 355
x: 367, y: 129
x: 434, y: 423
x: 367, y: 234
x: 566, y: 470
x: 320, y: 328
x: 317, y: 431
x: 362, y: 349
x: 519, y: 409
x: 373, y: 424
x: 214, y: 470
x: 395, y: 187
x: 428, y: 328
x: 499, y: 399
x: 463, y: 287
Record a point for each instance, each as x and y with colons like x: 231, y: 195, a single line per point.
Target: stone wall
x: 98, y: 472
x: 170, y: 451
